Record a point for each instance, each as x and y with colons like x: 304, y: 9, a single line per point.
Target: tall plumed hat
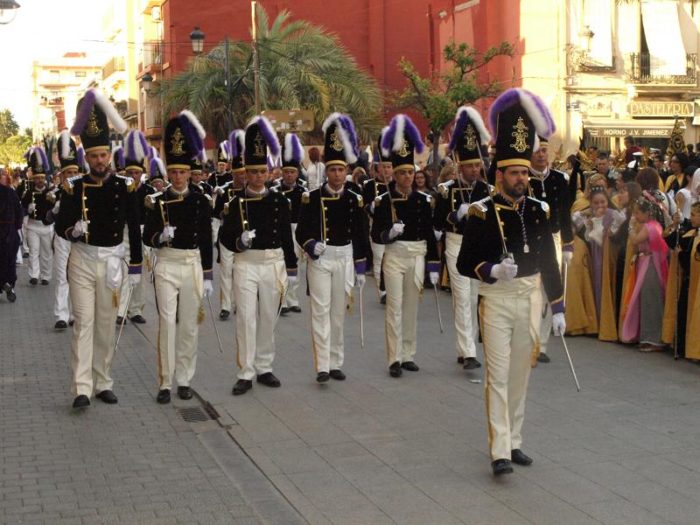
x: 184, y: 140
x: 118, y: 161
x: 340, y: 140
x: 377, y: 156
x: 197, y: 163
x: 136, y: 150
x: 292, y: 152
x: 67, y: 151
x: 92, y: 120
x: 516, y: 118
x: 38, y: 161
x: 236, y: 145
x: 83, y: 166
x: 260, y: 137
x: 223, y: 153
x: 401, y: 141
x: 468, y: 135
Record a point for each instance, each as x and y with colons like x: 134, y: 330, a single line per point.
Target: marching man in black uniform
x: 178, y: 228
x: 37, y: 201
x: 223, y: 194
x: 72, y: 164
x: 552, y: 187
x: 95, y: 208
x: 371, y: 189
x: 453, y: 202
x: 332, y: 232
x: 257, y: 228
x: 403, y: 222
x: 11, y: 216
x: 508, y: 245
x: 221, y: 176
x: 135, y: 150
x: 292, y: 156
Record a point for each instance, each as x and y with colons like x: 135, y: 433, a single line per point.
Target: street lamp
x: 197, y: 38
x: 147, y: 82
x: 8, y: 11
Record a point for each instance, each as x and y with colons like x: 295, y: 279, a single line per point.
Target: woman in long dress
x: 643, y: 306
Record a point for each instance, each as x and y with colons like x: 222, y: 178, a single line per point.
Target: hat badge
x: 520, y: 135
x: 92, y: 129
x: 470, y: 138
x: 177, y: 142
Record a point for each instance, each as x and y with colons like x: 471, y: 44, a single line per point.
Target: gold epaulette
x: 305, y: 197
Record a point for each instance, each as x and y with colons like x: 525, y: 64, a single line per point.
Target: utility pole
x: 227, y: 80
x: 256, y: 59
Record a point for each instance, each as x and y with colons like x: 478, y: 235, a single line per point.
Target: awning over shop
x: 663, y: 35
x: 634, y: 128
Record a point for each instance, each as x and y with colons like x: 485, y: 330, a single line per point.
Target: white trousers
x: 377, y: 256
x: 508, y: 330
x: 138, y: 293
x: 327, y: 290
x: 177, y: 275
x: 215, y: 225
x: 546, y: 325
x: 25, y: 246
x: 403, y: 289
x: 226, y: 278
x: 61, y: 305
x: 465, y: 298
x: 259, y: 279
x: 95, y: 311
x: 292, y: 297
x: 39, y: 239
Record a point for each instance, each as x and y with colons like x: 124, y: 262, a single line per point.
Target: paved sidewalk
x: 370, y: 450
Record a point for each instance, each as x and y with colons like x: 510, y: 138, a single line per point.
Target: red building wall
x: 378, y: 33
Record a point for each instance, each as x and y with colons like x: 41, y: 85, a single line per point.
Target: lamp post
x: 197, y: 39
x: 8, y: 11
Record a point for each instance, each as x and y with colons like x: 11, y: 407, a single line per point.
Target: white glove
x: 79, y: 228
x: 506, y: 270
x: 438, y: 235
x: 559, y: 324
x: 462, y: 211
x: 371, y: 208
x: 219, y: 190
x: 167, y: 234
x: 434, y: 277
x: 208, y: 287
x: 567, y: 256
x: 32, y: 207
x: 134, y: 279
x: 319, y: 248
x: 56, y: 207
x: 360, y: 279
x: 396, y: 230
x: 247, y: 238
x: 292, y: 279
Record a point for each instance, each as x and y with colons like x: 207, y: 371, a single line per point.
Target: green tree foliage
x: 13, y: 149
x: 301, y: 67
x: 437, y: 97
x: 8, y: 125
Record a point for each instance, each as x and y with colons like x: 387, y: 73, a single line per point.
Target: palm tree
x: 302, y: 66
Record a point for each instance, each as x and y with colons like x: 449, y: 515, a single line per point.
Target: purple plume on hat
x: 156, y: 168
x: 41, y: 157
x: 81, y: 117
x: 92, y: 97
x: 118, y: 158
x: 349, y: 126
x: 465, y: 114
x: 392, y: 140
x: 268, y: 133
x: 136, y: 147
x: 64, y: 144
x: 236, y: 141
x: 293, y: 151
x: 346, y: 130
x: 533, y: 105
x: 152, y: 152
x: 80, y: 157
x: 193, y: 131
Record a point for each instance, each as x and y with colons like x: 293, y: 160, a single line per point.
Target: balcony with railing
x: 642, y: 72
x: 152, y: 58
x: 114, y: 65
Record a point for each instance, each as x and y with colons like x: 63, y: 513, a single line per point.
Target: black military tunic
x: 268, y: 215
x: 294, y: 194
x: 190, y: 214
x: 554, y: 190
x: 42, y: 200
x: 219, y: 179
x: 142, y: 192
x: 108, y: 205
x: 371, y: 189
x: 528, y: 237
x: 415, y: 211
x: 221, y: 200
x: 343, y: 222
x: 451, y: 195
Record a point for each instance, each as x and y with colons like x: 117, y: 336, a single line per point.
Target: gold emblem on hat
x: 336, y: 143
x: 259, y: 145
x: 177, y: 142
x: 470, y: 138
x: 92, y: 129
x: 520, y: 134
x: 403, y: 152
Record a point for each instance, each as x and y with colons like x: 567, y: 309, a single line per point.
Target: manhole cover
x: 193, y: 414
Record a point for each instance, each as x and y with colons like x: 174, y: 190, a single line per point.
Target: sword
x: 121, y: 326
x: 563, y: 341
x: 362, y: 318
x: 218, y: 337
x: 437, y: 305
